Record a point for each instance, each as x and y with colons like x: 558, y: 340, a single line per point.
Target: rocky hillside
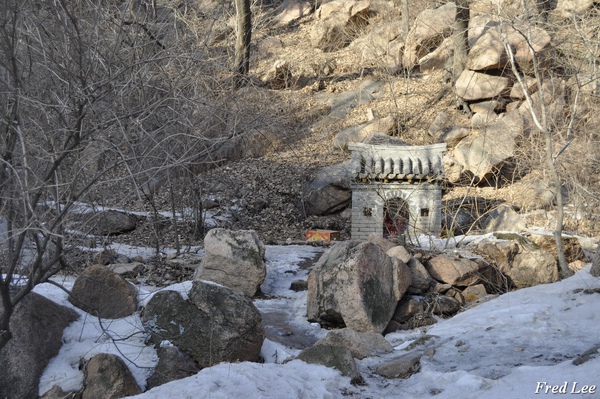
x: 366, y: 71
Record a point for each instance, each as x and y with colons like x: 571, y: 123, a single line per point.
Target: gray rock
x: 354, y: 284
x: 234, y: 259
x: 103, y: 293
x: 299, y: 285
x: 109, y: 223
x: 217, y: 324
x: 329, y: 191
x: 402, y: 367
x: 588, y: 355
x: 361, y: 345
x: 421, y: 280
x: 172, y: 365
x: 107, y: 376
x: 438, y: 126
x: 333, y: 356
x: 37, y: 326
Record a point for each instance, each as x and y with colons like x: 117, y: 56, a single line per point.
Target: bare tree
x: 96, y: 102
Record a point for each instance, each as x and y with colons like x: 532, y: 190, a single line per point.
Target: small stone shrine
x: 396, y: 190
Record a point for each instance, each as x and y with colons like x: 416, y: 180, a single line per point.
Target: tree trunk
x: 242, y: 43
x: 405, y: 26
x: 461, y: 38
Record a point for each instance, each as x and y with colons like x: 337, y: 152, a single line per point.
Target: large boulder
x: 523, y: 262
x: 338, y: 22
x: 103, y: 293
x: 37, y: 326
x: 483, y: 153
x: 216, y: 324
x: 235, y: 259
x: 107, y: 376
x: 356, y: 284
x: 329, y: 191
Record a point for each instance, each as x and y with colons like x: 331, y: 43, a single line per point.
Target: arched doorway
x: 395, y: 217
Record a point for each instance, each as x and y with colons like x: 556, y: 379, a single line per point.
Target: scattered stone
x: 37, y: 326
x: 103, y: 293
x: 474, y: 293
x: 361, y: 345
x: 364, y: 132
x: 455, y: 270
x: 402, y: 367
x: 455, y: 135
x: 57, y: 393
x: 586, y: 356
x: 107, y: 376
x: 334, y: 356
x: 109, y: 222
x: 441, y: 305
x: 473, y: 86
x: 399, y: 252
x: 438, y: 126
x: 235, y: 259
x: 126, y: 270
x: 421, y: 280
x: 299, y: 285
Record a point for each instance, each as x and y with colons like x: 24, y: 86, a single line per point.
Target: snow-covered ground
x: 518, y: 345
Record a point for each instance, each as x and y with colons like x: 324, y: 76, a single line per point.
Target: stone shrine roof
x: 397, y: 162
